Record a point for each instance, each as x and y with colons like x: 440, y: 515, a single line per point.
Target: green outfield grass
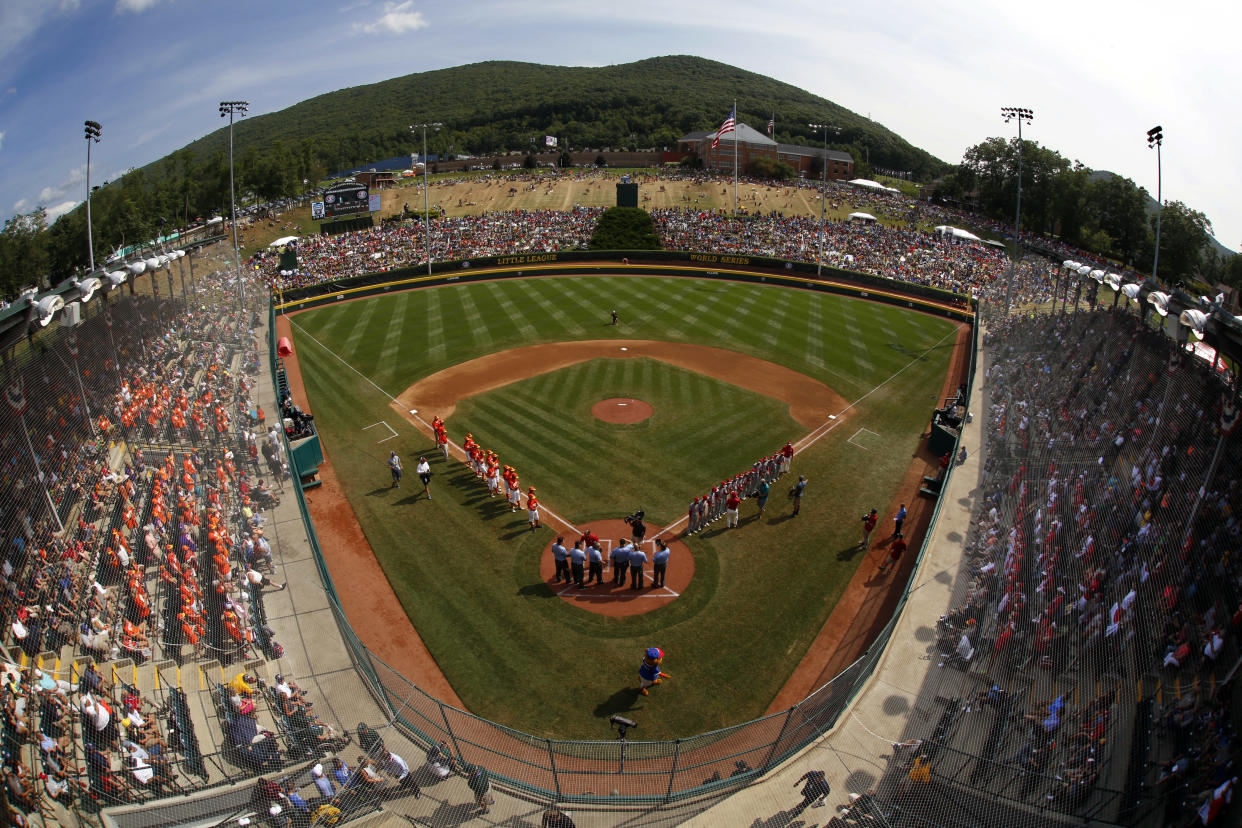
x: 467, y: 570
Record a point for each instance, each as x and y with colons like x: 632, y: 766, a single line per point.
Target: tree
x: 1120, y: 210
x: 1231, y: 272
x: 23, y: 252
x: 601, y: 161
x: 1183, y: 238
x: 762, y: 167
x: 564, y: 160
x: 625, y: 228
x: 530, y: 162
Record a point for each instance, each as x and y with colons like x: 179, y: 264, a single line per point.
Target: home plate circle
x: 608, y: 598
x: 621, y: 410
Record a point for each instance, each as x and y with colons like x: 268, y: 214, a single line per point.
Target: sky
x: 1096, y: 74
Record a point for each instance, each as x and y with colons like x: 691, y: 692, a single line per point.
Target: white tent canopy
x: 283, y: 240
x: 956, y: 232
x: 864, y: 217
x: 868, y: 184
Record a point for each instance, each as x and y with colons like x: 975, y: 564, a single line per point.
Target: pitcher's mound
x: 621, y: 410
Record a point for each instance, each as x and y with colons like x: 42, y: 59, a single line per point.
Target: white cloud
x: 398, y: 18
x: 56, y: 211
x: 20, y: 19
x: 20, y: 205
x: 1, y: 139
x: 134, y: 6
x: 74, y: 181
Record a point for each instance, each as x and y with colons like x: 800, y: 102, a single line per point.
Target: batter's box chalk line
x: 661, y: 592
x: 859, y: 433
x: 384, y: 423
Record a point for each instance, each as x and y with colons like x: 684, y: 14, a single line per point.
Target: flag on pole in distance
x: 771, y: 125
x: 729, y: 125
x: 549, y: 140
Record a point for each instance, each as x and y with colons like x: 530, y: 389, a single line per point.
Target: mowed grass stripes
x: 701, y: 430
x: 467, y: 570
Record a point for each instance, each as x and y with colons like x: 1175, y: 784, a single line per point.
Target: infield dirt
x: 861, y: 612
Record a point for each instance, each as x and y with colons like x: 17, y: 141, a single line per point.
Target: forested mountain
x: 503, y: 105
x: 486, y: 108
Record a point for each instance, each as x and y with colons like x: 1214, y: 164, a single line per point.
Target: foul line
x: 664, y: 593
x: 805, y: 443
x: 456, y: 448
x: 833, y: 420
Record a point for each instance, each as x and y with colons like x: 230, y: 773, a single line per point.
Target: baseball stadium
x: 949, y: 536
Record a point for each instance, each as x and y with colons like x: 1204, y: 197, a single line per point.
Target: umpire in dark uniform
x: 659, y: 563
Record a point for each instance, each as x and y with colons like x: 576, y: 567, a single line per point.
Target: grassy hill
x: 501, y: 105
x: 486, y: 108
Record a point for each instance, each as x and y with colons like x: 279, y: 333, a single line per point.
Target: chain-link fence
x: 103, y: 563
x: 608, y: 772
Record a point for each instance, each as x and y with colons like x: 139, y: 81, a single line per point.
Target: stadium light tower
x: 230, y: 109
x: 1020, y: 114
x: 426, y: 200
x: 823, y: 191
x: 93, y: 130
x: 1155, y: 138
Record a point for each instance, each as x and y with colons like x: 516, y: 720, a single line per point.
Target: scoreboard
x: 346, y: 199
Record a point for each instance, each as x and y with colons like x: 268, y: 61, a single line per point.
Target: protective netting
x: 1084, y: 665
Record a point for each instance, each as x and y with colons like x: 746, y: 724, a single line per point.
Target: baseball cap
x: 655, y: 652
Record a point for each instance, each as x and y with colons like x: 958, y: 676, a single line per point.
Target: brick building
x: 753, y: 144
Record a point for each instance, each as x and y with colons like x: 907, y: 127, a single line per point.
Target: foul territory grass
x: 467, y: 570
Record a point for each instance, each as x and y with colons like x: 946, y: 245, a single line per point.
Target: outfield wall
x: 612, y: 772
x: 752, y: 269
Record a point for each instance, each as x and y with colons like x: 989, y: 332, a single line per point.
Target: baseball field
x: 731, y: 371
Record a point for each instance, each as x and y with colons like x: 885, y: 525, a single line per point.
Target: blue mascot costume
x: 649, y: 672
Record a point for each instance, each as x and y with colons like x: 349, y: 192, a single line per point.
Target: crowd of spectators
x: 1103, y: 551
x: 133, y: 528
x: 895, y: 250
x: 323, y: 258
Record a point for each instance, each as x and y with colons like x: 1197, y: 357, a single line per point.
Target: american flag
x: 771, y: 124
x: 729, y: 125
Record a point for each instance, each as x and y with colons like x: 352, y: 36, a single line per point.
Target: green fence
x: 617, y: 772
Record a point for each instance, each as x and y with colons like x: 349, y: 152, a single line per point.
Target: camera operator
x: 638, y: 529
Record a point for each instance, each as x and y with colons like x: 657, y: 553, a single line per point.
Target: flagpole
x: 735, y: 133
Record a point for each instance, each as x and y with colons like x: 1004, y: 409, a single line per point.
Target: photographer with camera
x: 638, y: 529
